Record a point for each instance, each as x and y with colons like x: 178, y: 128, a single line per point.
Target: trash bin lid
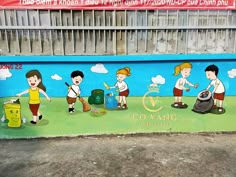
x: 11, y: 106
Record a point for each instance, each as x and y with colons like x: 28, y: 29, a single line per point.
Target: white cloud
x: 232, y: 73
x: 99, y: 68
x: 4, y: 74
x: 56, y: 77
x: 158, y: 80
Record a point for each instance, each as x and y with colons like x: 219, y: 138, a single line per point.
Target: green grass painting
x: 136, y: 119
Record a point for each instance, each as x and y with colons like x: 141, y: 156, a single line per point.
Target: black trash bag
x: 204, y: 102
x: 17, y: 101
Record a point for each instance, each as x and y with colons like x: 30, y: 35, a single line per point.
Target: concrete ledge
x: 117, y: 58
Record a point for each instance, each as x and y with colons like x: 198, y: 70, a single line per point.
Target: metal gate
x: 90, y: 32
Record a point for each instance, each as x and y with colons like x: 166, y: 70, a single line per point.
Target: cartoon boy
x: 219, y: 90
x: 74, y: 90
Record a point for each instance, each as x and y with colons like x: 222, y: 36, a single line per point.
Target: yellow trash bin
x: 12, y: 111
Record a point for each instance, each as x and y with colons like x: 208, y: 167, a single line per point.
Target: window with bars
x: 90, y: 32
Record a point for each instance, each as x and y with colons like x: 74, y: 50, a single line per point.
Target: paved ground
x: 121, y: 156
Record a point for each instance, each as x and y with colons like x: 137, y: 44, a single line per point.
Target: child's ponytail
x: 180, y: 67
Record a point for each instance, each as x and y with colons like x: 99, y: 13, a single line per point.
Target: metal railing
x: 81, y: 32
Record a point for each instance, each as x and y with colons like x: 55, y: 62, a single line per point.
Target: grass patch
x: 136, y: 119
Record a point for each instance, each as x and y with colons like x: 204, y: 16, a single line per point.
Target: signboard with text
x: 118, y: 4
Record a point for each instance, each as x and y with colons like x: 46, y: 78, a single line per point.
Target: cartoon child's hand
x: 18, y: 95
x: 69, y: 88
x: 187, y: 89
x: 196, y: 85
x: 48, y: 99
x: 106, y: 86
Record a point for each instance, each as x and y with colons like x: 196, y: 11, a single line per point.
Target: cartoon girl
x: 35, y: 82
x: 122, y: 86
x: 184, y: 69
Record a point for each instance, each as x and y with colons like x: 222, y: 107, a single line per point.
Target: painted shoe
x: 214, y: 107
x: 176, y: 105
x: 124, y: 106
x: 40, y: 117
x: 33, y: 122
x: 71, y: 110
x: 119, y: 105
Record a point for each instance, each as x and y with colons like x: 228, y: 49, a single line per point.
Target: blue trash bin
x: 110, y: 101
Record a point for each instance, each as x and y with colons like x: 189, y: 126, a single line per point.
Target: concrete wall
x: 33, y: 32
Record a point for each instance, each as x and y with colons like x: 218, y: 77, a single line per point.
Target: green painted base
x: 141, y: 116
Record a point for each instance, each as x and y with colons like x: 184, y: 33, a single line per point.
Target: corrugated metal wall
x: 50, y: 32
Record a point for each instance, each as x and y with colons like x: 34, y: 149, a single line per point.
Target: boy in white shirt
x: 219, y: 89
x: 74, y: 90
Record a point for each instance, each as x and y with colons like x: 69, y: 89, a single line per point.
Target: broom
x: 86, y: 106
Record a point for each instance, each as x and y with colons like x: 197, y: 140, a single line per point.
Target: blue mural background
x: 138, y: 82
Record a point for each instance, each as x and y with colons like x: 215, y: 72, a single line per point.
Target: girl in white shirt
x: 122, y: 86
x: 184, y: 69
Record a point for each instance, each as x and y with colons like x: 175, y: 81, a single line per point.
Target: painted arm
x: 216, y: 86
x: 69, y: 88
x: 22, y: 93
x: 44, y: 93
x: 192, y: 85
x: 208, y: 87
x: 78, y: 94
x: 115, y: 86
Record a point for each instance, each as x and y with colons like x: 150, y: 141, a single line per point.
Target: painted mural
x: 43, y: 99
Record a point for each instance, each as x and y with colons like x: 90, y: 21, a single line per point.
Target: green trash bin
x: 97, y: 97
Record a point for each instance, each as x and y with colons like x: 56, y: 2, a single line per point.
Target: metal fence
x: 82, y: 32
